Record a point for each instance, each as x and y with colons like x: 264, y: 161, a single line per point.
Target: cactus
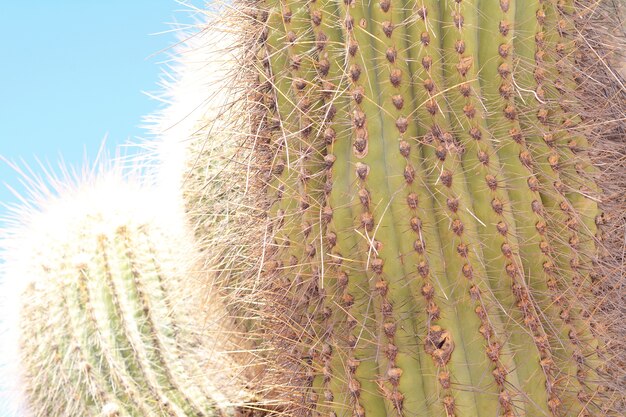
x: 431, y: 244
x: 111, y: 318
x: 396, y: 207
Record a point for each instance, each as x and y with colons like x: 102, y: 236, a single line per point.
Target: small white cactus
x: 108, y: 310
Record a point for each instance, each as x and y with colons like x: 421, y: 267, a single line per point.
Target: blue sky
x: 74, y: 72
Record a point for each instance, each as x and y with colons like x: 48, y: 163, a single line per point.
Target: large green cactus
x: 431, y: 206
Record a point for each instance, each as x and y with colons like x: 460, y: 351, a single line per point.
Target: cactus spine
x: 432, y: 212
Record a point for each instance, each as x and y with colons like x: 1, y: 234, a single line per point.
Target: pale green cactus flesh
x: 433, y: 216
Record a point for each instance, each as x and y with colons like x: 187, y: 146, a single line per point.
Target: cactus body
x: 431, y: 206
x: 111, y: 320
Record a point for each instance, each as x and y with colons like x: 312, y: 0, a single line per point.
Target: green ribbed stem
x: 437, y: 201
